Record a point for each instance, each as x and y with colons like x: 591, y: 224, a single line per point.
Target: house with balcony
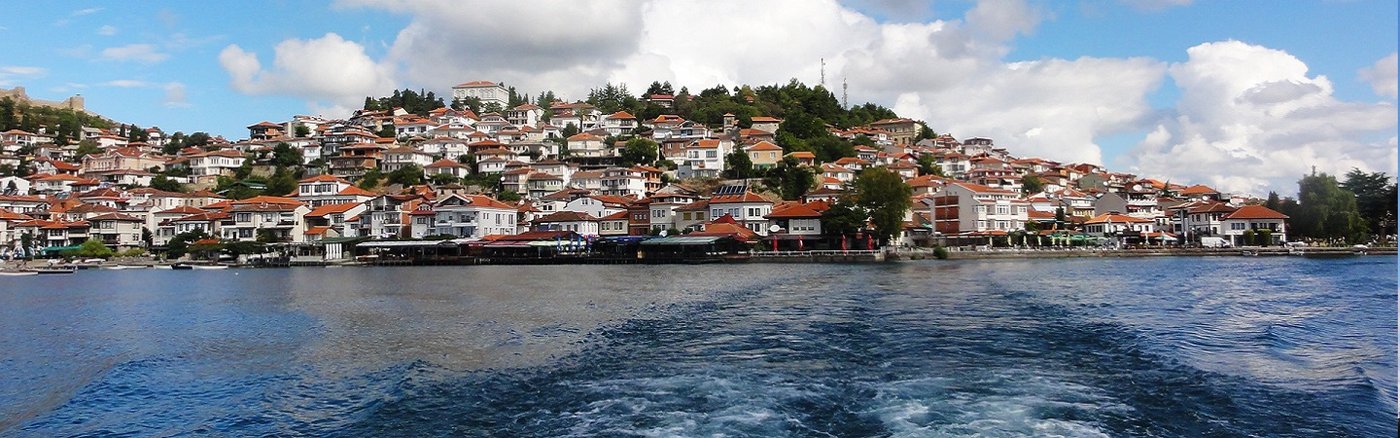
x: 357, y: 159
x: 265, y: 218
x: 1137, y: 203
x: 1122, y: 229
x: 388, y: 216
x: 116, y: 230
x: 404, y: 156
x: 222, y: 162
x: 485, y: 91
x: 962, y: 208
x: 585, y: 145
x: 703, y: 159
x: 619, y: 123
x: 468, y: 216
x: 747, y: 208
x: 334, y: 220
x: 581, y: 223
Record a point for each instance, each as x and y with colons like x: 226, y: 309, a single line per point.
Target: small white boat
x: 17, y: 273
x: 209, y: 266
x: 57, y: 270
x: 118, y: 267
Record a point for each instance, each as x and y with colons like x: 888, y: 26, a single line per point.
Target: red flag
x: 775, y: 243
x: 843, y: 243
x: 869, y: 242
x: 799, y: 242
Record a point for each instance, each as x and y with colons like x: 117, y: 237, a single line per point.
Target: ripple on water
x: 1181, y: 347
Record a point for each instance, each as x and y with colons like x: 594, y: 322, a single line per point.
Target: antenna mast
x: 823, y: 80
x: 844, y: 104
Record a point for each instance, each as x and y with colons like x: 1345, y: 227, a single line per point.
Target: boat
x: 57, y: 270
x: 182, y: 266
x: 209, y: 266
x: 1249, y: 253
x: 17, y: 273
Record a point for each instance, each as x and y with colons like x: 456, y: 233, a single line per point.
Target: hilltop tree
x: 198, y: 139
x: 885, y: 195
x: 281, y: 183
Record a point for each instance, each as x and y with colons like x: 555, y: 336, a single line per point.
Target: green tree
x: 285, y: 155
x: 925, y: 133
x: 791, y: 180
x: 85, y: 148
x: 1326, y: 211
x: 639, y: 151
x: 508, y: 196
x: 442, y: 179
x: 929, y: 167
x: 1273, y: 203
x: 93, y: 248
x: 409, y: 175
x: 885, y: 195
x: 282, y: 183
x: 1375, y: 199
x: 844, y: 218
x: 198, y: 139
x: 161, y: 182
x: 302, y: 131
x: 371, y: 179
x: 1032, y: 184
x: 737, y: 165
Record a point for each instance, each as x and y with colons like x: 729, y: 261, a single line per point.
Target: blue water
x: 1103, y: 347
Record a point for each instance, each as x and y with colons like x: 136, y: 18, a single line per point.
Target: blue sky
x: 158, y: 63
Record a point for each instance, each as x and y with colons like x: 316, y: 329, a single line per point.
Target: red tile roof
x: 1255, y: 212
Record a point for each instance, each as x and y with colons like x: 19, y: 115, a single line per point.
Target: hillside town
x: 510, y: 176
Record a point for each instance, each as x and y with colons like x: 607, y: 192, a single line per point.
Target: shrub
x: 940, y: 252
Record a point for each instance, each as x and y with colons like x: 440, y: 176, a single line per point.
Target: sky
x: 1243, y: 95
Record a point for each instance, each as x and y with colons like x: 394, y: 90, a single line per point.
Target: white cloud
x: 323, y: 69
x: 175, y: 96
x: 144, y: 53
x: 87, y: 11
x: 10, y: 75
x: 1382, y: 76
x: 127, y: 83
x: 107, y: 30
x: 20, y: 70
x: 1250, y: 119
x: 949, y: 72
x: 1156, y: 5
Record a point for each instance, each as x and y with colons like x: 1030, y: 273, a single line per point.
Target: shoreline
x: 812, y: 257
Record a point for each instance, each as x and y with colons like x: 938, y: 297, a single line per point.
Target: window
x: 1237, y: 226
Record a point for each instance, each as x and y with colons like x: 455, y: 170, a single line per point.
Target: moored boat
x: 57, y: 270
x: 17, y: 273
x: 209, y: 266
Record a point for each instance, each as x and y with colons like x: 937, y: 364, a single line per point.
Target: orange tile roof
x: 1255, y: 212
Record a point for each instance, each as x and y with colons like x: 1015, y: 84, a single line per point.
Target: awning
x: 54, y: 249
x: 405, y: 243
x: 682, y: 241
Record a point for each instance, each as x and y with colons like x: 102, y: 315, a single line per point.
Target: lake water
x: 1258, y: 346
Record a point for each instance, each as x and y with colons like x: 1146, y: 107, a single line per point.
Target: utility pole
x: 823, y: 77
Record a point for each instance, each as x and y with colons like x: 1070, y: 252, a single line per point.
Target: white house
x: 961, y: 208
x: 747, y: 209
x: 470, y: 216
x: 486, y: 91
